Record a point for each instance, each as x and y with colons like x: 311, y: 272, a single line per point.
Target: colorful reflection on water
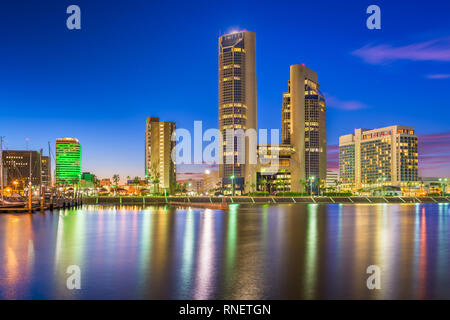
x: 305, y: 251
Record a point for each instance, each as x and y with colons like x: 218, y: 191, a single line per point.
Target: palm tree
x: 304, y: 183
x: 247, y: 185
x: 156, y: 182
x: 136, y: 181
x: 116, y: 179
x: 253, y: 187
x: 338, y: 183
x: 264, y: 184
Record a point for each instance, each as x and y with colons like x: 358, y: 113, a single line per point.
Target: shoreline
x: 224, y: 202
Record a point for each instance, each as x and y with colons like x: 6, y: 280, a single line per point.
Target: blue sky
x: 134, y: 59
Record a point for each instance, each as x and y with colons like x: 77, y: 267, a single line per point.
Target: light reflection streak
x: 188, y: 253
x: 423, y: 256
x: 311, y: 252
x: 203, y: 281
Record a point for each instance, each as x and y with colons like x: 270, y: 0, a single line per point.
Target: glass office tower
x: 68, y: 161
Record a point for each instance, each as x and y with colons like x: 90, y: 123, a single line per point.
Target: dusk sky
x: 134, y: 59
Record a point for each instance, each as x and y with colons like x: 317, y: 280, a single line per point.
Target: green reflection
x: 188, y: 252
x: 231, y: 241
x: 311, y: 251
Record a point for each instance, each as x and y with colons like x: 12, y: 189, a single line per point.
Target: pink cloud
x: 438, y: 76
x: 433, y: 50
x: 348, y: 105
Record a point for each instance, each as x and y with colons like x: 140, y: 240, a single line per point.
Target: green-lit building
x: 68, y: 161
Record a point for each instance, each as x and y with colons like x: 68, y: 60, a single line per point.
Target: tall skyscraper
x: 158, y: 154
x: 385, y: 156
x: 68, y: 161
x: 304, y: 127
x: 237, y: 102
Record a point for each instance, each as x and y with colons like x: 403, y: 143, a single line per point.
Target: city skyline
x: 389, y: 76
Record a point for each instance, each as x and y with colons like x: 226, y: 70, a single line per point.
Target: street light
x: 232, y: 184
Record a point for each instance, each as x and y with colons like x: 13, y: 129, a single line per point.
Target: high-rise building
x: 237, y: 103
x: 68, y: 161
x: 158, y: 154
x: 385, y: 156
x: 304, y: 127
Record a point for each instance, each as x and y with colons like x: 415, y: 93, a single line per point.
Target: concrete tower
x: 307, y: 128
x: 237, y: 102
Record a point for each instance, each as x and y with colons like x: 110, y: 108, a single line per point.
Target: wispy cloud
x: 438, y: 76
x: 333, y: 157
x: 434, y: 155
x: 433, y: 50
x: 348, y: 105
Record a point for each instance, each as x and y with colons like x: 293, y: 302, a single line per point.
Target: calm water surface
x: 299, y: 251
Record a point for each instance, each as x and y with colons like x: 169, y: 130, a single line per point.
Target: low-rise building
x: 105, y: 182
x: 434, y: 185
x: 332, y: 180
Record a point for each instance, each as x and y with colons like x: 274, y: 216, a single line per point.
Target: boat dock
x: 51, y: 205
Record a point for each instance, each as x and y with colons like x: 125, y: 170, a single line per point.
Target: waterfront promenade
x: 136, y: 200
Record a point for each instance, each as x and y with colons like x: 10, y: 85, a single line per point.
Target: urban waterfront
x: 295, y: 251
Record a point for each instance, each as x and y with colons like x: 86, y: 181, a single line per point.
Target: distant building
x: 88, y: 177
x: 332, y: 179
x: 158, y: 154
x: 105, y: 182
x: 46, y: 169
x: 435, y: 185
x: 193, y: 185
x: 237, y: 103
x: 211, y: 180
x: 19, y: 165
x: 68, y: 161
x: 139, y: 182
x: 16, y: 167
x: 385, y: 156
